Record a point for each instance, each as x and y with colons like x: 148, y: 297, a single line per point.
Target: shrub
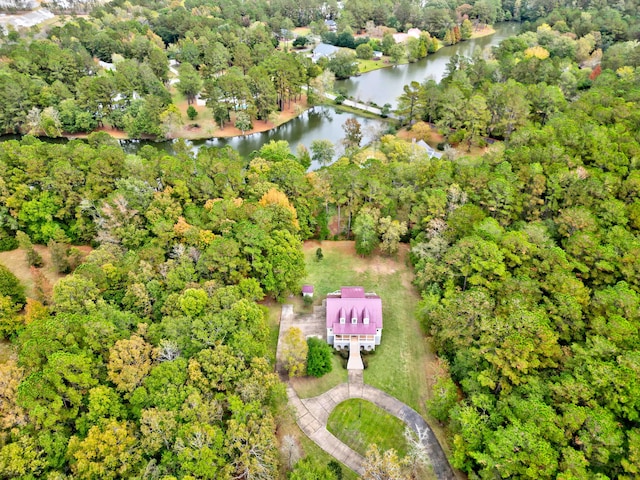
x: 318, y: 357
x: 340, y: 99
x: 10, y: 286
x: 7, y: 242
x: 336, y: 468
x: 33, y: 258
x: 192, y: 113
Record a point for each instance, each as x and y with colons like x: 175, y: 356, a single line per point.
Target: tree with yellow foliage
x: 537, y: 51
x: 294, y: 352
x: 275, y: 197
x: 130, y: 360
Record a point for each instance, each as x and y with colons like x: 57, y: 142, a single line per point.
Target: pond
x: 325, y: 123
x: 385, y: 85
x: 319, y: 123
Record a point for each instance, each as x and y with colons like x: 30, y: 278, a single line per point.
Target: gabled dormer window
x: 354, y: 316
x: 343, y: 316
x: 365, y: 317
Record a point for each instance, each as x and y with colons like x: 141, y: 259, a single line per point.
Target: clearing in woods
x: 16, y: 261
x: 404, y: 365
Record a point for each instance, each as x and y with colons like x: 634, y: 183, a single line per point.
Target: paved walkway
x: 312, y: 415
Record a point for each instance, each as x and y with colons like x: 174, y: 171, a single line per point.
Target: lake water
x: 325, y: 123
x: 386, y: 85
x: 320, y: 123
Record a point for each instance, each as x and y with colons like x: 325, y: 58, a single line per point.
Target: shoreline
x: 230, y: 131
x: 209, y: 130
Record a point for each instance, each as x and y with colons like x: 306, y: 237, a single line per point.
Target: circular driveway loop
x: 312, y: 415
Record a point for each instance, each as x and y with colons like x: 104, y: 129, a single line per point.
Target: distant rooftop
x: 324, y: 50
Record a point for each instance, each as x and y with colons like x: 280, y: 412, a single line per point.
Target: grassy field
x: 355, y: 111
x: 359, y: 423
x: 401, y: 364
x: 16, y: 261
x: 365, y: 66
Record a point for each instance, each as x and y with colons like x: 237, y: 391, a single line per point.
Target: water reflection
x: 385, y: 85
x: 320, y: 123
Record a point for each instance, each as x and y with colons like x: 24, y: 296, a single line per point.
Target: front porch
x: 363, y: 342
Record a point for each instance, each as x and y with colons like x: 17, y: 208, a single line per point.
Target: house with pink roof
x: 354, y: 316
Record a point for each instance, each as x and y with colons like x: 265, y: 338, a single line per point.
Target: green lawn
x: 308, y: 387
x: 400, y: 364
x: 359, y: 423
x: 365, y: 66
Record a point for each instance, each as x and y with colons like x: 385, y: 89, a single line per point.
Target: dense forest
x: 152, y: 359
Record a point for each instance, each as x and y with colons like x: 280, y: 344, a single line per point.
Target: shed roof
x: 307, y: 289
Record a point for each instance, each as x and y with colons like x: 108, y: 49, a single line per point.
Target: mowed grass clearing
x: 359, y: 423
x: 400, y: 365
x: 307, y: 387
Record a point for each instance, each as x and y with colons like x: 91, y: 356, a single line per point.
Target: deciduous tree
x: 294, y: 352
x: 130, y: 360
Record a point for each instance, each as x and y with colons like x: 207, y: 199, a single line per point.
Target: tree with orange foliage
x: 275, y: 198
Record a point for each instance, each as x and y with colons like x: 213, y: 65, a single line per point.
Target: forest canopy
x: 153, y: 357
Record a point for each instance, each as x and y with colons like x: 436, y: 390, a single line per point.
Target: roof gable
x: 352, y: 303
